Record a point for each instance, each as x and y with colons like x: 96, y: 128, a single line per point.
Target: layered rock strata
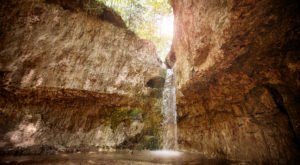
x: 74, y: 79
x: 237, y: 68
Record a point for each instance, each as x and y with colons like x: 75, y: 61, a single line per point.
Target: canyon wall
x: 238, y: 78
x: 73, y: 77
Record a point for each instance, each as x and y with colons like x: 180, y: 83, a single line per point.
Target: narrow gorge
x: 78, y: 86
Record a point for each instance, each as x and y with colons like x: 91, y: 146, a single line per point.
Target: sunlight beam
x: 165, y: 26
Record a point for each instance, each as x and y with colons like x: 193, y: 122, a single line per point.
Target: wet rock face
x: 237, y: 68
x: 69, y: 79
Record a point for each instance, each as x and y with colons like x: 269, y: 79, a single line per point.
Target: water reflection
x: 117, y: 158
x: 166, y: 153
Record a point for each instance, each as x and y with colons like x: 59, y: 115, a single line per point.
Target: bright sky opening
x: 165, y: 26
x: 165, y: 29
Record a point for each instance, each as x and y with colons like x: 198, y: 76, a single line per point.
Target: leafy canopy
x: 144, y: 17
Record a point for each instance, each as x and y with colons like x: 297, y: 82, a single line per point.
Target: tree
x: 142, y: 17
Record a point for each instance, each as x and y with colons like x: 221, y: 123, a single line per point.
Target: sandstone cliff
x: 237, y: 68
x: 74, y: 79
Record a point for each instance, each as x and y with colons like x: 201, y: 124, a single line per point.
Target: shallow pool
x: 117, y: 158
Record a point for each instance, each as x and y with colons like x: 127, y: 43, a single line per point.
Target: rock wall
x: 237, y: 68
x: 72, y: 79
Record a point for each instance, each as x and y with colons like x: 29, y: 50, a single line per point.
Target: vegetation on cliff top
x: 149, y: 19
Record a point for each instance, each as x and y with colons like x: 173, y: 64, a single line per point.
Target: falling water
x: 169, y: 113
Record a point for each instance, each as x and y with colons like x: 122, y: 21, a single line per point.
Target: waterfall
x: 169, y: 113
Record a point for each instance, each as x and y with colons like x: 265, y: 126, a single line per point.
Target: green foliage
x: 125, y: 115
x: 150, y: 143
x: 142, y: 16
x: 94, y: 7
x: 134, y: 113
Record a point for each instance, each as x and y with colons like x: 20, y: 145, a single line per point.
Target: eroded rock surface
x: 70, y: 79
x: 237, y: 68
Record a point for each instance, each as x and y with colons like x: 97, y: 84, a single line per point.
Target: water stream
x: 169, y: 113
